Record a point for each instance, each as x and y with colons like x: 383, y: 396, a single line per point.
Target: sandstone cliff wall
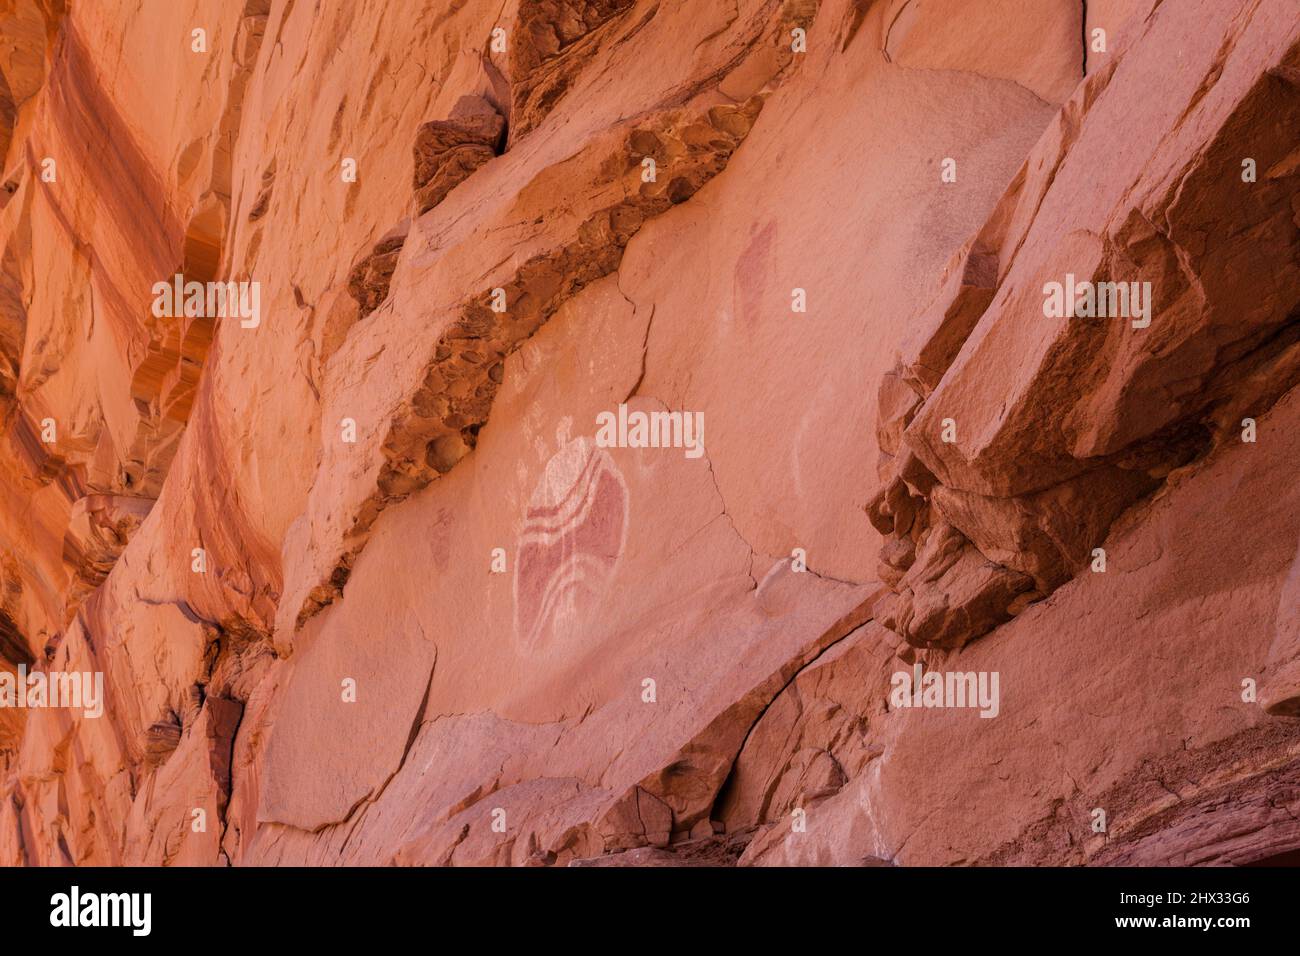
x: 365, y: 587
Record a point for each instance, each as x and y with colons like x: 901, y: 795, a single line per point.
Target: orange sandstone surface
x: 648, y: 432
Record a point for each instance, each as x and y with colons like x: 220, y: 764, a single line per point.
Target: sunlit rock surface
x: 366, y: 582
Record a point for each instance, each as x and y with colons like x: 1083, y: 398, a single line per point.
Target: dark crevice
x: 13, y: 645
x: 728, y: 782
x: 1083, y: 29
x: 1289, y: 858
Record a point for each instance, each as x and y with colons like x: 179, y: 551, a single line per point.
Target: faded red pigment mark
x: 752, y: 269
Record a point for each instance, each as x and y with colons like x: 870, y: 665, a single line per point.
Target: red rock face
x: 951, y: 515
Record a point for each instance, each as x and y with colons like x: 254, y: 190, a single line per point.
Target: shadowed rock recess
x: 628, y: 403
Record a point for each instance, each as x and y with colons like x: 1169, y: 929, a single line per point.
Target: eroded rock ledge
x: 365, y: 589
x: 1055, y: 428
x: 608, y: 198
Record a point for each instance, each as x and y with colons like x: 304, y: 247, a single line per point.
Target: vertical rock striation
x: 615, y: 400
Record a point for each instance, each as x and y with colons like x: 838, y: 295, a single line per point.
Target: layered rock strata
x: 367, y: 584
